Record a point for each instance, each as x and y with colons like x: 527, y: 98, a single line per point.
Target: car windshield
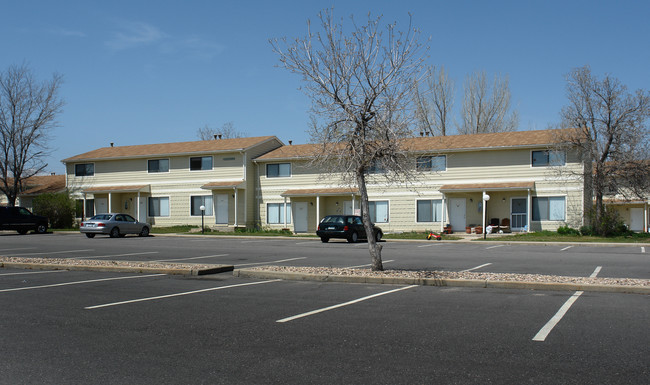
x: 101, y: 217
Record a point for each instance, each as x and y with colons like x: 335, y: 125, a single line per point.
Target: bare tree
x: 226, y: 131
x: 486, y: 108
x: 434, y: 100
x: 612, y: 134
x: 28, y: 111
x: 360, y: 84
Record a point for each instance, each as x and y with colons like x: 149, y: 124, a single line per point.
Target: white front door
x: 101, y: 205
x: 299, y: 211
x: 636, y: 219
x: 458, y: 214
x: 221, y: 208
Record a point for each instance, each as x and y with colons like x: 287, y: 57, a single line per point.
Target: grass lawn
x: 551, y: 236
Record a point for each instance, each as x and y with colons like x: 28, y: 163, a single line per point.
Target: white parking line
x: 17, y: 248
x: 369, y: 264
x: 544, y: 331
x: 305, y: 243
x: 79, y: 282
x: 343, y: 304
x: 642, y: 249
x: 254, y: 241
x: 566, y: 248
x: 37, y: 272
x: 493, y: 247
x: 266, y: 263
x: 426, y: 245
x: 477, y: 267
x: 177, y: 294
x: 117, y: 255
x: 49, y: 252
x: 187, y: 259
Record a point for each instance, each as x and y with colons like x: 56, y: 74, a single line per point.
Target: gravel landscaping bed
x: 537, y: 278
x: 99, y: 263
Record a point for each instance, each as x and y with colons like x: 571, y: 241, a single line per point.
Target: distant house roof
x: 118, y: 189
x: 320, y: 191
x: 166, y: 149
x: 471, y: 187
x: 41, y: 184
x: 492, y: 141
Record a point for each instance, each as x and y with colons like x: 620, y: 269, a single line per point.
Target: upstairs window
x: 158, y: 165
x: 278, y: 170
x: 201, y: 163
x: 84, y: 169
x: 548, y: 158
x: 432, y: 163
x: 376, y: 168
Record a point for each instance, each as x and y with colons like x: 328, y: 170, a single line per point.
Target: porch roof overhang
x: 118, y: 189
x: 320, y: 192
x: 615, y: 201
x: 223, y: 185
x: 478, y: 187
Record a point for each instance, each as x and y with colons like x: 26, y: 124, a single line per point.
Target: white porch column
x: 285, y: 212
x: 353, y: 204
x: 484, y: 210
x: 110, y: 198
x: 137, y: 207
x: 83, y: 209
x: 236, y: 199
x: 444, y: 213
x: 317, y: 210
x: 645, y: 217
x: 529, y: 208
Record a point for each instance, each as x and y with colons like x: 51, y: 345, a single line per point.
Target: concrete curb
x: 213, y: 269
x: 260, y: 274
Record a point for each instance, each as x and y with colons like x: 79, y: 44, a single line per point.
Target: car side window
x: 119, y: 218
x: 129, y: 218
x: 357, y: 221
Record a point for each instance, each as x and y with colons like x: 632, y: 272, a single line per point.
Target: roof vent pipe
x: 214, y: 136
x: 290, y: 142
x: 112, y: 144
x: 219, y: 136
x: 421, y: 133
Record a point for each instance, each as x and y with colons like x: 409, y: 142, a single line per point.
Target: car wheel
x: 22, y: 232
x: 90, y: 235
x: 324, y: 239
x: 115, y: 232
x: 378, y: 236
x: 41, y: 229
x: 354, y: 237
x: 144, y: 232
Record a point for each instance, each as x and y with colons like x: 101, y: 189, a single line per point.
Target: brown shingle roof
x: 442, y: 143
x: 321, y: 191
x: 488, y: 186
x: 41, y: 184
x: 162, y: 149
x: 218, y: 185
x: 118, y: 189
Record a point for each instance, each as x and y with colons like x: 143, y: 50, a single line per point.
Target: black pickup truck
x: 21, y: 220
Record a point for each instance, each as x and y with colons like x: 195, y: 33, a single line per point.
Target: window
x: 84, y: 169
x: 159, y: 207
x: 278, y: 170
x: 548, y: 158
x: 376, y: 168
x: 378, y: 211
x: 198, y: 201
x: 549, y: 208
x: 432, y: 163
x: 89, y: 209
x: 201, y: 163
x: 158, y: 165
x: 429, y: 210
x: 275, y: 213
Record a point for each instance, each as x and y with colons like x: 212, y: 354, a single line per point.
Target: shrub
x: 587, y: 230
x: 566, y: 230
x: 59, y: 208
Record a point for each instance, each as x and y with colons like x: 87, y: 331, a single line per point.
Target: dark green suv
x: 21, y: 220
x: 348, y: 227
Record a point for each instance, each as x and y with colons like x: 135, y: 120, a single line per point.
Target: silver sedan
x: 113, y: 224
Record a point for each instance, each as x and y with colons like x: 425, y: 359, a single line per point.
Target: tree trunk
x: 373, y: 246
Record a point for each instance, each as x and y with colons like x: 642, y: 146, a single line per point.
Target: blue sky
x: 140, y: 72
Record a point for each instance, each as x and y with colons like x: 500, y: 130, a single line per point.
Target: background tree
x: 361, y: 87
x: 28, y: 111
x: 434, y: 100
x: 227, y: 131
x: 612, y: 133
x: 486, y: 108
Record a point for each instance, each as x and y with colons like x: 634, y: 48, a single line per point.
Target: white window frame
x: 433, y: 212
x: 279, y: 166
x: 281, y: 213
x: 548, y: 163
x: 548, y: 197
x: 83, y: 176
x: 201, y: 169
x: 374, y: 203
x: 169, y: 204
x: 159, y: 172
x: 430, y: 167
x: 210, y: 206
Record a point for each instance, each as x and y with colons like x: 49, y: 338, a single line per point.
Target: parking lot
x: 91, y: 327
